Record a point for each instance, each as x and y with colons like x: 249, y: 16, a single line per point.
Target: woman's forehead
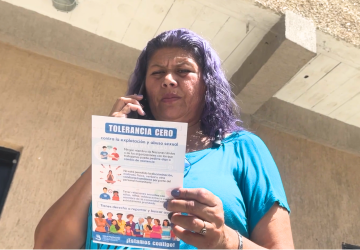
x: 165, y: 56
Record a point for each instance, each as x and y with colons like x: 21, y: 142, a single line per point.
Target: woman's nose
x: 169, y: 81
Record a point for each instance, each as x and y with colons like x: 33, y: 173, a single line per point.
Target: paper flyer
x: 135, y: 166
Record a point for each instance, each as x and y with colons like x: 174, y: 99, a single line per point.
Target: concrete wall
x: 322, y: 187
x: 305, y: 123
x: 46, y: 107
x: 59, y: 40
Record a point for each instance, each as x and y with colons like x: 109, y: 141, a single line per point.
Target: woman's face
x: 109, y: 215
x: 156, y: 222
x: 113, y: 222
x: 110, y: 172
x: 174, y: 86
x: 131, y: 218
x: 166, y: 223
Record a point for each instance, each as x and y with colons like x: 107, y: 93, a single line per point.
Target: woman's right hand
x: 124, y: 105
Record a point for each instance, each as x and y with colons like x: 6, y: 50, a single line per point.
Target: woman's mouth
x: 168, y: 98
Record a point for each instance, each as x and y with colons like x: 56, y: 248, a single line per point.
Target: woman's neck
x: 196, y: 140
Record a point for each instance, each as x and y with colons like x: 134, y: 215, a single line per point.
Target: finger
x: 127, y: 109
x: 133, y: 107
x: 122, y: 101
x: 135, y: 96
x: 199, y: 194
x: 191, y: 238
x: 191, y: 223
x: 198, y: 209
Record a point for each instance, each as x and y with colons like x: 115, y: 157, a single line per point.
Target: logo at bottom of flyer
x: 135, y: 241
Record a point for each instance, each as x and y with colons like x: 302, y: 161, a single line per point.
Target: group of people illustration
x: 106, y: 196
x: 151, y: 229
x: 104, y: 154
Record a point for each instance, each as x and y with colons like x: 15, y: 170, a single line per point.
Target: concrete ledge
x: 278, y: 57
x: 34, y: 32
x: 12, y: 146
x: 307, y: 124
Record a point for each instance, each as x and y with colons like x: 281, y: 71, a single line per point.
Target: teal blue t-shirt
x: 241, y: 172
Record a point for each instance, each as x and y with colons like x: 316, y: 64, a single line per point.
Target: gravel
x: 339, y: 18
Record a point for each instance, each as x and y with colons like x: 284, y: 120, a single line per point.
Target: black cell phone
x: 145, y: 106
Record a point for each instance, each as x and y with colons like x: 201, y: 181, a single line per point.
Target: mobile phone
x: 144, y: 103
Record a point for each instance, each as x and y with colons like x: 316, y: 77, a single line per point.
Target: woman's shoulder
x: 243, y: 137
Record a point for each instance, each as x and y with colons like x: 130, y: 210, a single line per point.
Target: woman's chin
x: 171, y: 117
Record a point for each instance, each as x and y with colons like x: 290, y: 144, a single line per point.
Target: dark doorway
x: 349, y: 246
x: 9, y: 159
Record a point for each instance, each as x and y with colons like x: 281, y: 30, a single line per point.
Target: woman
x: 115, y: 196
x: 114, y: 228
x: 156, y: 230
x: 181, y: 80
x: 100, y: 222
x: 110, y: 178
x: 166, y: 230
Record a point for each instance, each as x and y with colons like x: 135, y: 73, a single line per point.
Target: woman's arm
x: 67, y: 218
x: 273, y: 231
x: 64, y: 224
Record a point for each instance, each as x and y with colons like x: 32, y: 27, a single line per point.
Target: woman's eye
x: 157, y: 72
x: 182, y: 71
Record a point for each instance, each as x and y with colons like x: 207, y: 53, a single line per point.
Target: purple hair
x: 221, y: 110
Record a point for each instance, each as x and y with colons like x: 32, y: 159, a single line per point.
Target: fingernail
x: 170, y: 215
x: 140, y: 95
x: 165, y: 204
x: 175, y: 193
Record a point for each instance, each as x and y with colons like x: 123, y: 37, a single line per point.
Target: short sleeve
x: 260, y: 182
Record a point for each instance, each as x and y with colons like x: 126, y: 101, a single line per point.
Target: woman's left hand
x: 203, y: 209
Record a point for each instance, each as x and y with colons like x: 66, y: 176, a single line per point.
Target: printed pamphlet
x: 135, y: 166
